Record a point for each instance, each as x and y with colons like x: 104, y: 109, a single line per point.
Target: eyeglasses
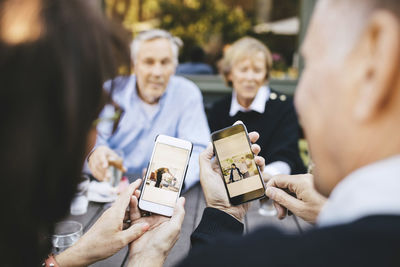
x: 108, y: 121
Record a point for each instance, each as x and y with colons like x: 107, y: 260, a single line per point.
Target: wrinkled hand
x: 211, y: 180
x: 108, y: 235
x: 307, y: 202
x: 152, y: 248
x: 100, y: 159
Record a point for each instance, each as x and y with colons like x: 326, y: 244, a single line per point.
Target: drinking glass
x: 66, y: 233
x: 116, y: 173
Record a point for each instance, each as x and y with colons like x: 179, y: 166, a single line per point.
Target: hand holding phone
x: 165, y: 175
x: 212, y: 181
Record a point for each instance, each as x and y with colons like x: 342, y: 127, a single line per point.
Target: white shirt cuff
x: 277, y: 167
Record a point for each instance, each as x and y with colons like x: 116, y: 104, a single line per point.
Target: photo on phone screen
x: 240, y: 172
x: 165, y: 174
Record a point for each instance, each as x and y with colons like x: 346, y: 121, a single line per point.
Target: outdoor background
x: 214, y: 24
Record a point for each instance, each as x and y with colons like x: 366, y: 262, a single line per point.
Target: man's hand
x: 107, y: 236
x: 100, y: 159
x: 211, y: 180
x: 307, y: 202
x: 152, y: 248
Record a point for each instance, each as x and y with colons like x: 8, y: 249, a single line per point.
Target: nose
x: 250, y: 75
x: 157, y: 69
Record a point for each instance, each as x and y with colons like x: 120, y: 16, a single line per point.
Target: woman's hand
x: 152, y: 248
x: 108, y: 235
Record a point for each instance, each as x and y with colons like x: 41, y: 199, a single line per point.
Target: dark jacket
x: 370, y: 241
x: 278, y: 128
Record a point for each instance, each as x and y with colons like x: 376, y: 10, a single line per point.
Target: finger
x: 134, y: 232
x: 137, y: 194
x: 103, y: 161
x: 179, y: 213
x: 284, y: 199
x: 253, y: 136
x: 255, y: 148
x: 281, y: 211
x: 124, y: 199
x: 260, y: 161
x: 292, y: 182
x: 134, y: 209
x: 207, y: 154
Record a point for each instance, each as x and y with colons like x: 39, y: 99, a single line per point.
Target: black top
x: 370, y: 241
x: 278, y: 128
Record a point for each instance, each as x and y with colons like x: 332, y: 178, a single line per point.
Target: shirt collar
x: 257, y: 105
x: 370, y: 190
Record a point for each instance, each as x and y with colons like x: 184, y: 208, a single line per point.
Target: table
x: 194, y: 207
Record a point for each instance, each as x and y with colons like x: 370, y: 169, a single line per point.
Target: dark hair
x: 51, y: 92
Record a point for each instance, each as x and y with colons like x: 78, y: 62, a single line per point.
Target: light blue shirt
x: 179, y: 113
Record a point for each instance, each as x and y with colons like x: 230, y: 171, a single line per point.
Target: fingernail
x: 270, y: 192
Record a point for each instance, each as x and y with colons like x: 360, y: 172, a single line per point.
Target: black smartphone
x: 241, y: 175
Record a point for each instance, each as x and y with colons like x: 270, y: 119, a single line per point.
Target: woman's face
x: 247, y: 76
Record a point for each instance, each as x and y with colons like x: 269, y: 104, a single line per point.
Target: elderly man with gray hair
x: 154, y: 102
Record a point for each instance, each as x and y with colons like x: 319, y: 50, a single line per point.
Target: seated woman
x: 245, y: 67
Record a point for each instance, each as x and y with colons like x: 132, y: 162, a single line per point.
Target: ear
x: 379, y: 51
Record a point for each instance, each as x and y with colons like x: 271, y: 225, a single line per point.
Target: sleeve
x: 213, y: 224
x: 218, y: 241
x: 284, y: 142
x: 193, y: 127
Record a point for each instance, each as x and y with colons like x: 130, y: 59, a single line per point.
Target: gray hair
x: 153, y: 34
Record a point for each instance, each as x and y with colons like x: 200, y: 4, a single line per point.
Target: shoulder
x: 280, y: 101
x: 223, y: 104
x: 183, y: 85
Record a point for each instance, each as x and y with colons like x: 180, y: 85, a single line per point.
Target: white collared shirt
x: 371, y: 190
x: 258, y: 105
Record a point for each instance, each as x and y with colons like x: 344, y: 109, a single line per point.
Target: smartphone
x: 241, y: 175
x: 165, y: 175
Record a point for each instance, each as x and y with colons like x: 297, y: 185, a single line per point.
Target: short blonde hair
x: 243, y: 48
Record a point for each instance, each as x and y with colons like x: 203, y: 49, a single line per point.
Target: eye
x: 148, y: 61
x: 166, y: 61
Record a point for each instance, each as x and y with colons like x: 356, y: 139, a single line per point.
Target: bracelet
x: 50, y: 262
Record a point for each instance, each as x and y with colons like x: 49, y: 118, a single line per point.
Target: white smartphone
x: 165, y: 175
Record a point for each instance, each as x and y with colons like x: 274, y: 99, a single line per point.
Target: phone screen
x: 237, y: 163
x: 165, y: 174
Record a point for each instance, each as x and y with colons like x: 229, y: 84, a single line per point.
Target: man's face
x: 324, y: 97
x: 153, y: 67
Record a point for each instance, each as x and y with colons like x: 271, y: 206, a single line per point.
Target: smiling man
x: 154, y: 102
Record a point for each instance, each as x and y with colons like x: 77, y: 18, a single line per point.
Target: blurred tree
x: 200, y: 22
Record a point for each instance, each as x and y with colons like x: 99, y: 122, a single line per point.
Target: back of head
x: 348, y: 98
x: 54, y: 57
